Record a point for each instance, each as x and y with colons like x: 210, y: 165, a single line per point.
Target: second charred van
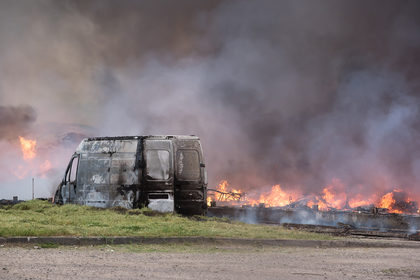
x: 164, y: 173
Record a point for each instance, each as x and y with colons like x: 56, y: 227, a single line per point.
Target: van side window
x: 94, y: 170
x: 74, y: 166
x: 157, y: 164
x: 72, y: 170
x: 188, y: 165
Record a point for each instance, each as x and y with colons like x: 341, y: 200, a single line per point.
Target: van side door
x: 158, y: 179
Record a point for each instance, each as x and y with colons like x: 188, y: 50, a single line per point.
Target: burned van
x: 164, y: 173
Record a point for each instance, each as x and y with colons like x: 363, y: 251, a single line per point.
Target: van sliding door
x: 158, y: 175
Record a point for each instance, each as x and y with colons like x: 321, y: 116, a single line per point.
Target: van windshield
x: 157, y: 164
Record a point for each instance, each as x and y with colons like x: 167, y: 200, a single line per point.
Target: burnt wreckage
x: 164, y: 173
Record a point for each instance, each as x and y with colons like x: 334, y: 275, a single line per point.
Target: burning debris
x: 398, y: 201
x: 222, y: 194
x: 330, y: 199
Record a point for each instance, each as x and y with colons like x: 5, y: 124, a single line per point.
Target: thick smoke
x: 280, y: 92
x: 15, y: 121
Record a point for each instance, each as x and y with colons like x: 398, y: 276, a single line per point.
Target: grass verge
x: 41, y: 218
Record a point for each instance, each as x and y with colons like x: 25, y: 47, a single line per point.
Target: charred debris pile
x: 366, y: 220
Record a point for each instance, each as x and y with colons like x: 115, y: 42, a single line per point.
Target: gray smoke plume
x: 295, y: 93
x: 15, y: 121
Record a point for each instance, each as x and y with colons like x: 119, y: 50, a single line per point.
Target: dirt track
x: 235, y: 263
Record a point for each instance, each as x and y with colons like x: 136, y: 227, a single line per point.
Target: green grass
x: 41, y: 218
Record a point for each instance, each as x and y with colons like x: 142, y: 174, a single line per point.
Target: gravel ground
x: 216, y: 263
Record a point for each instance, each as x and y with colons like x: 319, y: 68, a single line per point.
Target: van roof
x: 128, y: 143
x: 105, y: 138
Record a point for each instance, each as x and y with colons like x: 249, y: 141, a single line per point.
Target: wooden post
x: 33, y: 188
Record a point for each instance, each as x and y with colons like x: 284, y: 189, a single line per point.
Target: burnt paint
x: 112, y: 170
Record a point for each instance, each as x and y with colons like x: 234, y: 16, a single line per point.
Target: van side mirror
x: 202, y: 165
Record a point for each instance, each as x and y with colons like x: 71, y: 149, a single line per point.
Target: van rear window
x: 157, y: 162
x: 188, y: 165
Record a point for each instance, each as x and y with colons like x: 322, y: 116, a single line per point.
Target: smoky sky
x: 296, y: 93
x: 14, y: 121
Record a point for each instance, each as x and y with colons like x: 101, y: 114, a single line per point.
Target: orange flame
x: 332, y: 196
x: 275, y: 198
x: 360, y: 200
x: 387, y: 201
x: 224, y: 188
x: 28, y: 148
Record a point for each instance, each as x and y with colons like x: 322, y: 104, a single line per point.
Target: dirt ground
x: 189, y: 262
